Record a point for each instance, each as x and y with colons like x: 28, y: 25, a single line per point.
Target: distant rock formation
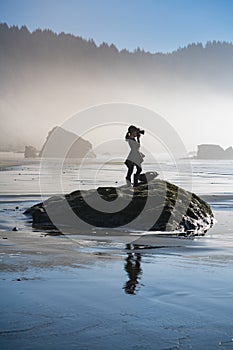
x: 209, y: 151
x: 30, y: 152
x: 60, y: 141
x: 170, y: 208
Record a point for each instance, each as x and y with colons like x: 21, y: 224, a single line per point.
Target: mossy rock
x: 154, y: 206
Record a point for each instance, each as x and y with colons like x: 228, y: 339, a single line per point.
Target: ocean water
x: 102, y: 295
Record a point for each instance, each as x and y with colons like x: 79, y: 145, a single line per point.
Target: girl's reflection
x: 133, y: 268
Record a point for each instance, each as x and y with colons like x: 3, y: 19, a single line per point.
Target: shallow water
x: 70, y: 292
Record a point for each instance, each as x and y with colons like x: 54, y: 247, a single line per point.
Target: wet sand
x: 64, y: 293
x: 22, y: 251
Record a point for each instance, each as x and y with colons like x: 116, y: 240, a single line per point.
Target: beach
x: 79, y: 292
x: 13, y: 159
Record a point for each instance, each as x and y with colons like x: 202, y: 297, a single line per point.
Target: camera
x: 140, y: 132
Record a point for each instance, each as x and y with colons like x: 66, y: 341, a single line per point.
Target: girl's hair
x: 131, y: 129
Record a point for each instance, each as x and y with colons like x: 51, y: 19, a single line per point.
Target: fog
x: 46, y: 85
x: 198, y: 117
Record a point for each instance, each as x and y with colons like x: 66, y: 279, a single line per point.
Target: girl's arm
x: 134, y: 145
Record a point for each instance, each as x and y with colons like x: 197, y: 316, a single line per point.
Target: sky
x: 152, y: 25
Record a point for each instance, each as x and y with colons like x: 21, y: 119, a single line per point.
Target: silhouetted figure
x: 135, y: 157
x: 133, y: 268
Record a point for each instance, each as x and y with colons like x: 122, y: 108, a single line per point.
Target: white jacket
x: 134, y: 155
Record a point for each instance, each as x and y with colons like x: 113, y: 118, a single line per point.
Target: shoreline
x: 10, y: 163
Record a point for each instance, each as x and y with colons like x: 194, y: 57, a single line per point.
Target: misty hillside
x: 46, y: 77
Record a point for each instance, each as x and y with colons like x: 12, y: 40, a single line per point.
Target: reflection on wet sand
x: 133, y: 269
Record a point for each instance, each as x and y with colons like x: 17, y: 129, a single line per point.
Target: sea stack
x: 209, y: 151
x: 60, y: 140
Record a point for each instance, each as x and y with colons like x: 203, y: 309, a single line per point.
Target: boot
x: 128, y: 182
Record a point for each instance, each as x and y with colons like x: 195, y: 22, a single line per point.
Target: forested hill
x: 45, y: 77
x: 19, y: 48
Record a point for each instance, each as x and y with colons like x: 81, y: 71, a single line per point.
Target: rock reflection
x: 134, y: 271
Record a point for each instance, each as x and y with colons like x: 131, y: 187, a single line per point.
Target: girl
x: 135, y: 158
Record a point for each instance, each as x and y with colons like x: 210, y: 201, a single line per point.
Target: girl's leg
x: 130, y: 166
x: 136, y: 176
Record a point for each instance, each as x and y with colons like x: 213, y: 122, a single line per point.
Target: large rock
x: 154, y: 206
x: 61, y: 143
x: 209, y: 151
